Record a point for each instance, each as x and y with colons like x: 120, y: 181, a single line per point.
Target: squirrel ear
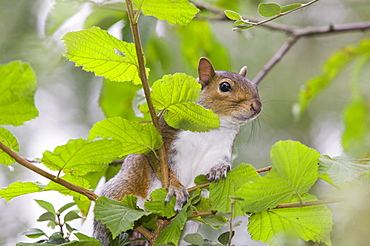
x: 243, y: 71
x: 205, y: 71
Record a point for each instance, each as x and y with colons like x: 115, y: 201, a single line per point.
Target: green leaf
x: 221, y: 191
x: 203, y: 204
x: 176, y: 95
x: 200, y: 179
x: 176, y: 88
x: 171, y: 234
x: 105, y: 15
x: 156, y: 204
x: 191, y: 117
x: 90, y: 242
x: 239, y: 22
x: 65, y: 191
x: 174, y: 12
x: 294, y: 171
x: 70, y: 229
x: 290, y: 7
x: 341, y: 171
x: 198, y: 39
x: 117, y: 216
x: 243, y: 27
x: 34, y: 233
x: 357, y: 130
x: 52, y: 224
x: 84, y: 241
x: 282, y: 226
x: 135, y: 138
x: 65, y: 207
x: 18, y: 188
x: 80, y: 156
x: 99, y: 52
x: 224, y: 237
x: 81, y: 236
x: 332, y: 67
x: 72, y: 215
x: 46, y: 205
x: 116, y: 99
x: 269, y: 9
x: 83, y: 206
x: 356, y: 117
x: 194, y: 239
x: 7, y: 138
x: 48, y: 216
x: 232, y: 15
x: 17, y: 89
x: 214, y: 221
x: 60, y: 12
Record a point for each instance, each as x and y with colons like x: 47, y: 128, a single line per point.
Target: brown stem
x: 89, y: 194
x: 282, y: 14
x: 264, y: 169
x: 312, y: 203
x: 202, y: 213
x: 198, y: 187
x: 146, y: 88
x: 145, y: 232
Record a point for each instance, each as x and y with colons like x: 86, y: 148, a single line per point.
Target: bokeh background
x: 68, y: 97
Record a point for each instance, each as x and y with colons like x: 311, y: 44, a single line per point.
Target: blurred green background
x: 68, y: 97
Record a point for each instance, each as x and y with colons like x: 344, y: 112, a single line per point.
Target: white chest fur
x: 195, y: 153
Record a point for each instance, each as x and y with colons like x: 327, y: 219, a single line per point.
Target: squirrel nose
x: 256, y: 106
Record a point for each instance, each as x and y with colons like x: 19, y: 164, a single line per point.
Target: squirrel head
x: 230, y: 95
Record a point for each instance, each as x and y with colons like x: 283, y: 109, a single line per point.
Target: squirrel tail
x: 133, y: 178
x: 101, y: 233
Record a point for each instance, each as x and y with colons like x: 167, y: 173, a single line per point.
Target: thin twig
x: 202, y: 213
x: 198, y: 187
x: 281, y: 14
x: 265, y: 169
x: 312, y: 203
x: 275, y: 59
x: 89, y: 194
x: 146, y: 88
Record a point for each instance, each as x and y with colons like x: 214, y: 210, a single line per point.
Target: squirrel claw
x: 218, y: 172
x: 181, y: 196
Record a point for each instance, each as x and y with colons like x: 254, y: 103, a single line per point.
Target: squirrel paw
x: 181, y: 194
x: 218, y: 172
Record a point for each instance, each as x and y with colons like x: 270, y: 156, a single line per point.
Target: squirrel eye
x: 225, y: 86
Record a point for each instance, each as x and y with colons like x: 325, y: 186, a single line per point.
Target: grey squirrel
x: 234, y: 99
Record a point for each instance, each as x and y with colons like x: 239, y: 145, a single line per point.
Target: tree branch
x: 89, y: 194
x: 332, y: 29
x: 293, y: 32
x: 146, y: 87
x: 281, y: 14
